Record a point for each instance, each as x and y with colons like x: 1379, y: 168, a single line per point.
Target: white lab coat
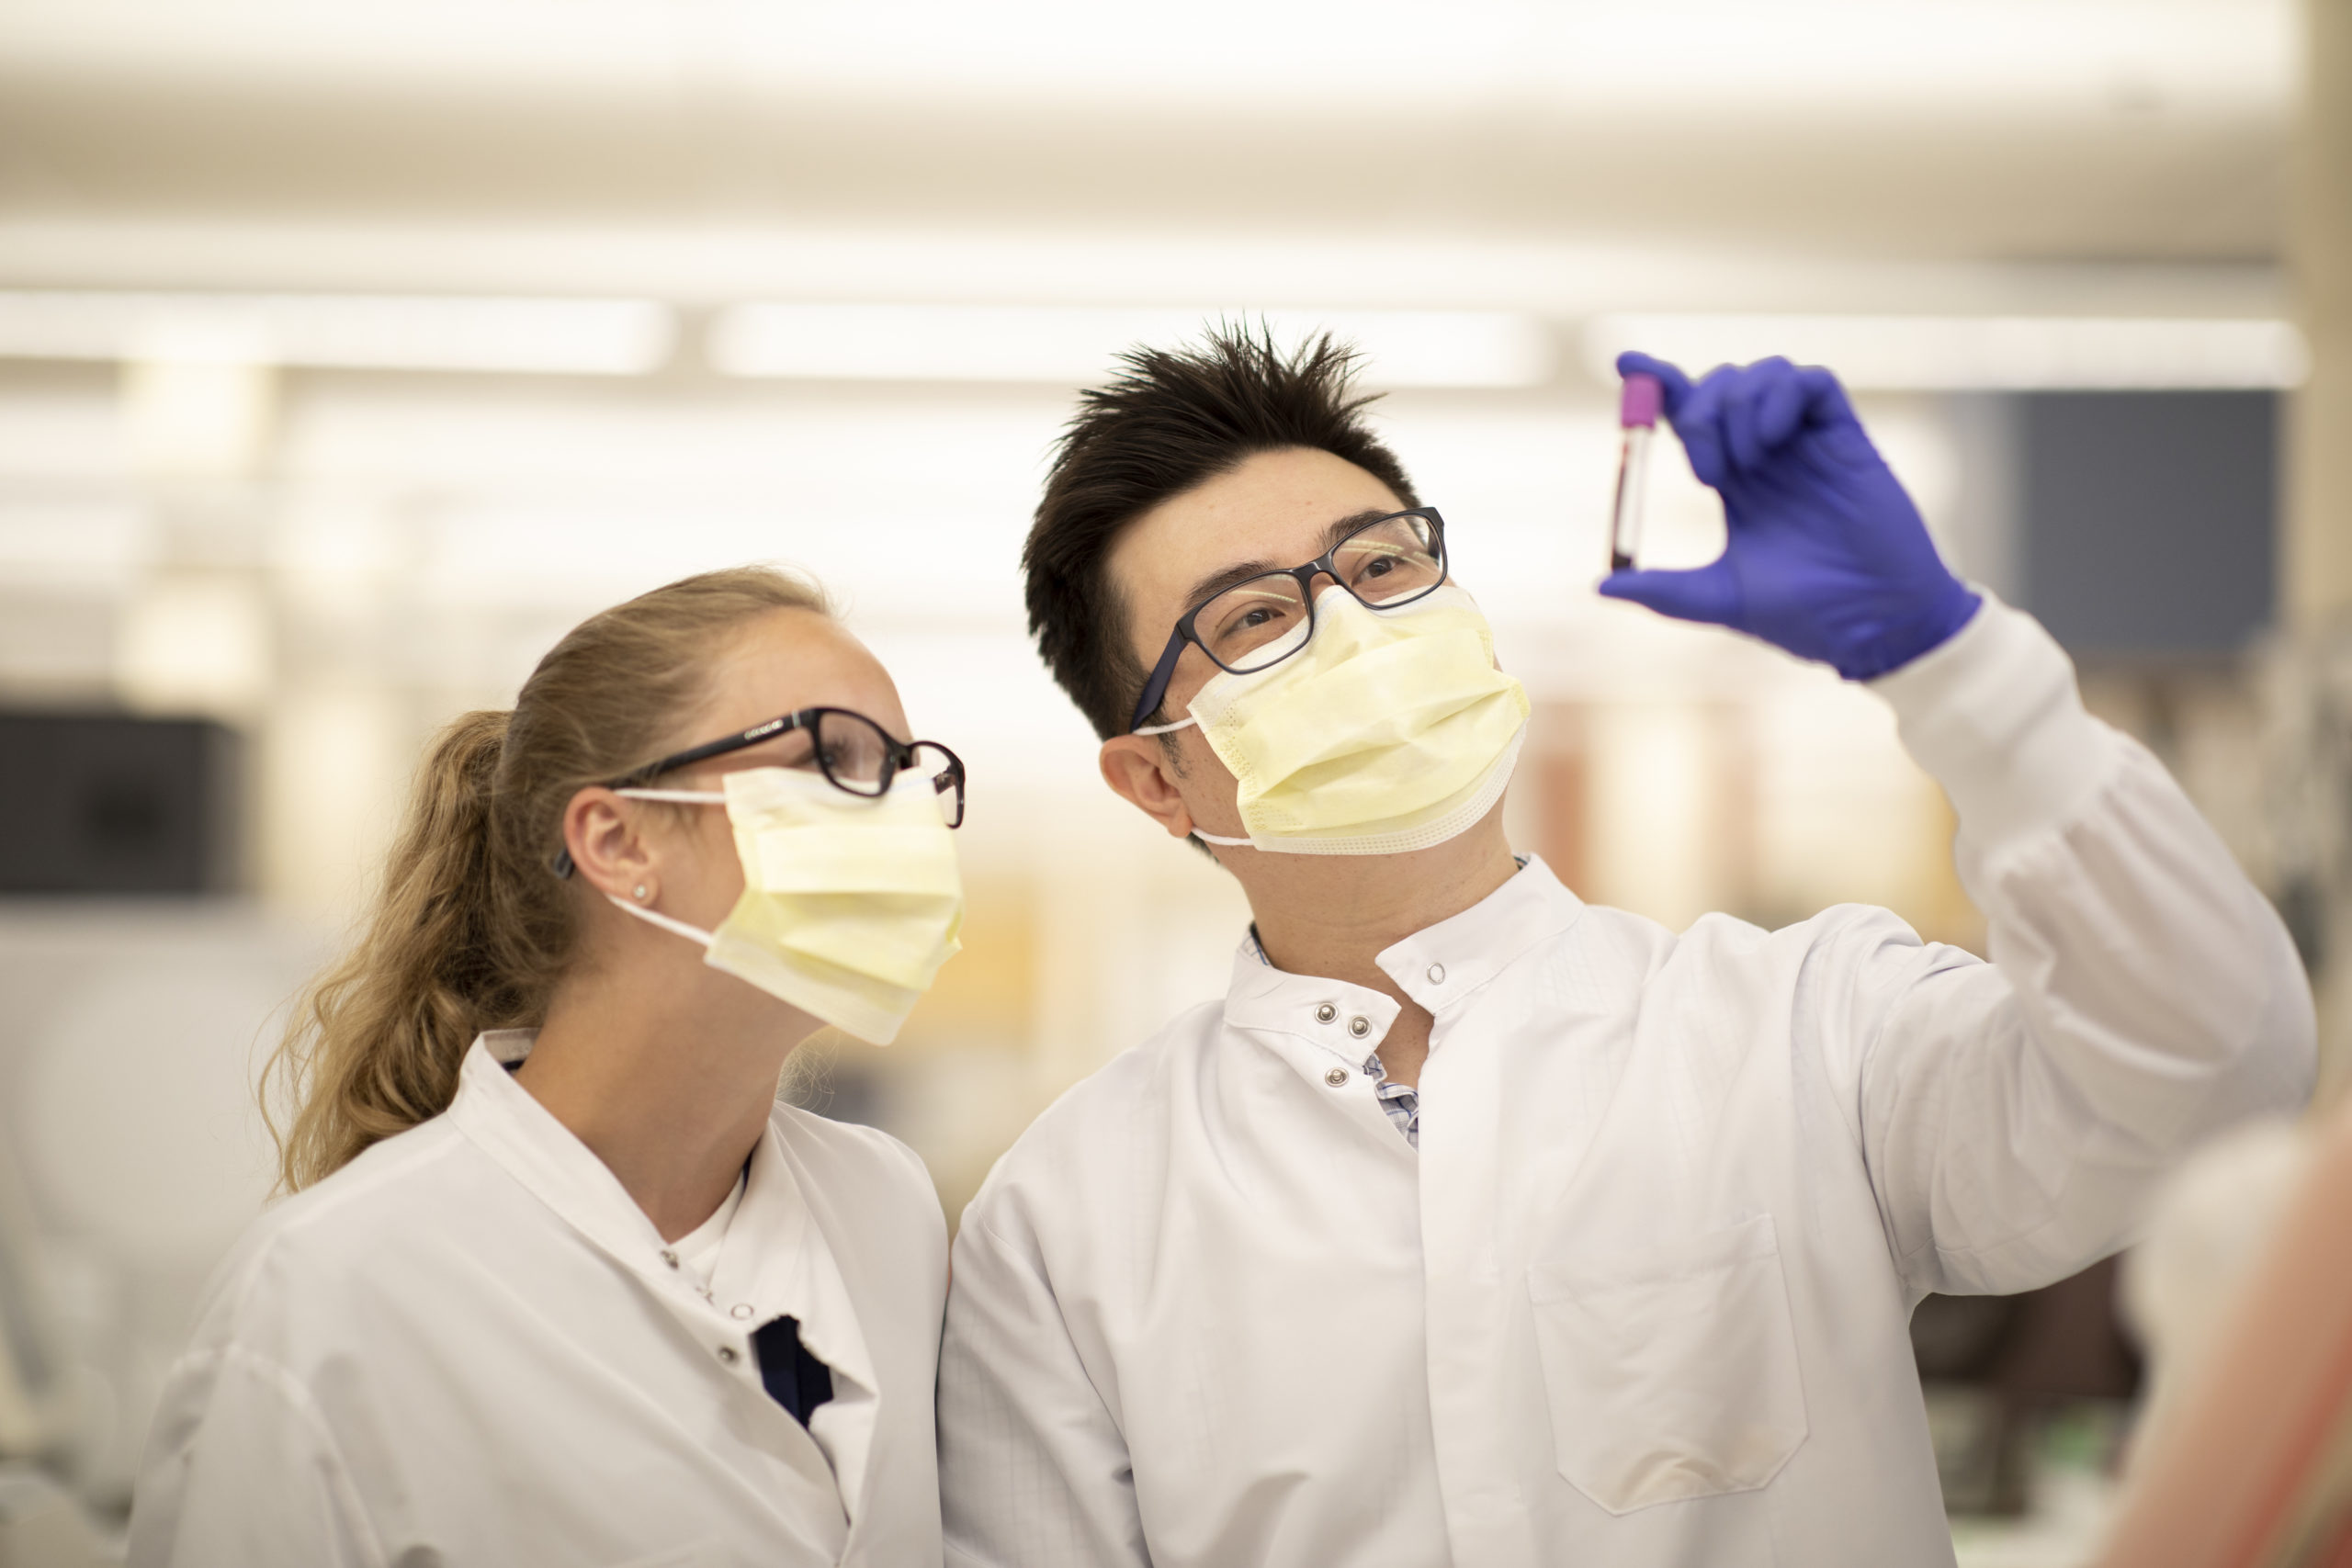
x: 468, y: 1348
x: 1641, y: 1299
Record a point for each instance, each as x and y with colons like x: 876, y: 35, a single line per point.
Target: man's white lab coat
x: 470, y: 1347
x: 1641, y: 1299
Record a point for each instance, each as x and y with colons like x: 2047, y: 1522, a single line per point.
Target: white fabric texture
x: 468, y: 1348
x: 1642, y: 1297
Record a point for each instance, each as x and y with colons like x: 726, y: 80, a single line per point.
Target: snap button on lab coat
x: 740, y: 1309
x: 1337, y: 1078
x: 1436, y: 973
x: 1359, y: 1027
x: 670, y: 1257
x: 727, y: 1354
x: 1326, y: 1013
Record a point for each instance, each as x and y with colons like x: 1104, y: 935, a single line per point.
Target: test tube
x: 1637, y: 412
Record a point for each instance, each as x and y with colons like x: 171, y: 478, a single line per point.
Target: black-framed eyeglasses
x: 852, y: 752
x: 1263, y: 619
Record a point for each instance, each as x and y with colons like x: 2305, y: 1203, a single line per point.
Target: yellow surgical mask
x: 1390, y: 731
x: 850, y: 903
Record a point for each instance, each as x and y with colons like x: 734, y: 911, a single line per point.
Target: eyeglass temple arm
x: 562, y: 865
x: 1156, y: 687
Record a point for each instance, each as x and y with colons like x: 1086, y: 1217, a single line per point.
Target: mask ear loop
x: 667, y: 923
x: 1181, y: 724
x: 655, y: 917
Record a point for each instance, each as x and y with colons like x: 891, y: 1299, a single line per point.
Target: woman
x: 562, y: 1282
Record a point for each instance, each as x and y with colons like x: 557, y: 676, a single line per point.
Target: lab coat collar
x: 1323, y: 1013
x: 1439, y: 967
x: 542, y: 1153
x: 761, y: 1263
x: 823, y: 1207
x: 773, y: 1270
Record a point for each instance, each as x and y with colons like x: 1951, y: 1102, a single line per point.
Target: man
x: 1478, y: 1226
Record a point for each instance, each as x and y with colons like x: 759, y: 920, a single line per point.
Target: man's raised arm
x: 2142, y: 993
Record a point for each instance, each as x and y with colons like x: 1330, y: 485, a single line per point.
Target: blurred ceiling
x: 1910, y: 130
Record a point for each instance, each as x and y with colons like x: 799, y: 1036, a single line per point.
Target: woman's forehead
x: 794, y: 660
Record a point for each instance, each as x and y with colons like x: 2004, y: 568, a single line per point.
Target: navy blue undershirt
x: 796, y: 1378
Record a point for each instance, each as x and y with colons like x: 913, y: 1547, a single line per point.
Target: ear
x: 1136, y: 767
x: 607, y: 852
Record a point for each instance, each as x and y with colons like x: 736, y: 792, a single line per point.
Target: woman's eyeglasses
x: 849, y: 750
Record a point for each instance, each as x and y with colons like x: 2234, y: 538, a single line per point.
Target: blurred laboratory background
x: 349, y: 355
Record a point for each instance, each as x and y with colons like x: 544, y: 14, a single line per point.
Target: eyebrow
x: 1218, y: 581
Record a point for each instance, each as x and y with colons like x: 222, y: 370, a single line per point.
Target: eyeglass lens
x: 858, y: 756
x: 853, y: 751
x: 935, y: 763
x: 1257, y: 623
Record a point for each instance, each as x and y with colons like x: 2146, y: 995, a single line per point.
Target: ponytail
x: 378, y: 1037
x: 472, y: 929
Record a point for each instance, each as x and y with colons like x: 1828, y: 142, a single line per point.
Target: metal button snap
x: 1436, y: 973
x: 727, y: 1354
x: 1326, y: 1013
x: 1337, y: 1078
x: 670, y: 1257
x: 740, y: 1309
x: 1359, y: 1027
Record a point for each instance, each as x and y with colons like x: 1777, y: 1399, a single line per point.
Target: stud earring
x: 640, y: 892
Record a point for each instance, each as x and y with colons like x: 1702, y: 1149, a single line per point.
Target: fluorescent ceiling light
x: 359, y: 331
x: 1068, y: 345
x: 1972, y: 353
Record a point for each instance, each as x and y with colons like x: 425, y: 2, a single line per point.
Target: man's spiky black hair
x: 1170, y: 421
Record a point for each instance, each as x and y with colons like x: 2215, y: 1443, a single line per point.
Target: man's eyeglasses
x: 1264, y: 619
x: 852, y: 752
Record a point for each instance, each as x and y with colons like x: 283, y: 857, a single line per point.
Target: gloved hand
x: 1826, y: 557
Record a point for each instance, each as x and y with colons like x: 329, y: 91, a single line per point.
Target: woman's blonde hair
x: 472, y: 927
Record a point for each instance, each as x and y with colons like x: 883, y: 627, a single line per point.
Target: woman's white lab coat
x: 471, y: 1347
x: 1640, y: 1299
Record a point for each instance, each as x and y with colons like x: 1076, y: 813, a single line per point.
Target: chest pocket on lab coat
x: 1671, y: 1374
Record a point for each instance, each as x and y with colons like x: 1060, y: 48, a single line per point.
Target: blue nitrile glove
x: 1825, y: 555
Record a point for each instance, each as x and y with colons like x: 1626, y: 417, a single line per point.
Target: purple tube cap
x: 1642, y: 400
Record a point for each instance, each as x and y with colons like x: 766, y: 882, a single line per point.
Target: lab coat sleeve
x: 1033, y: 1470
x: 240, y: 1469
x: 2142, y: 993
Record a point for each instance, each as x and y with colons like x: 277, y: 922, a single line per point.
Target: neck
x: 1334, y: 915
x: 671, y: 1100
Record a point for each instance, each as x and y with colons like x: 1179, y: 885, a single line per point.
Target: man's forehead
x: 1275, y: 509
